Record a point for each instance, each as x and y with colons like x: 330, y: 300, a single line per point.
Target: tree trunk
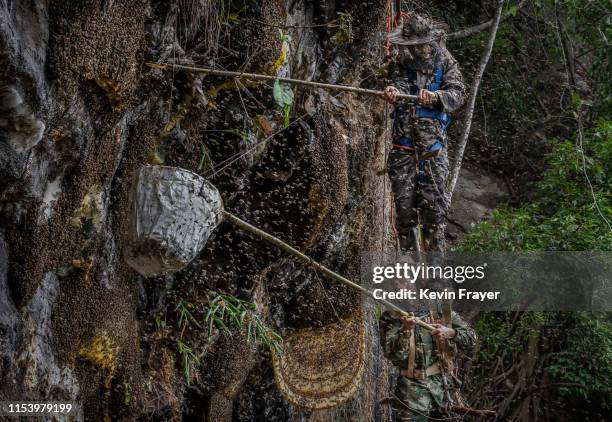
x: 469, y: 113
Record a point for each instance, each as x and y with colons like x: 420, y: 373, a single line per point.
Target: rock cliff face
x: 81, y: 112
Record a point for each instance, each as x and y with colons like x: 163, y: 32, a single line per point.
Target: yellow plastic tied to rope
x: 322, y: 367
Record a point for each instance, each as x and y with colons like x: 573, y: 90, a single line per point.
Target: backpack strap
x: 424, y: 112
x: 440, y: 116
x: 446, y: 353
x: 409, y: 371
x: 437, y: 83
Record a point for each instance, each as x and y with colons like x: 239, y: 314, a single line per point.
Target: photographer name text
x: 427, y: 294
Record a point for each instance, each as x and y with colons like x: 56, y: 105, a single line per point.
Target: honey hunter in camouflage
x: 421, y: 66
x: 421, y: 389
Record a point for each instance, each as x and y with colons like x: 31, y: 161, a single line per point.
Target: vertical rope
x: 394, y: 14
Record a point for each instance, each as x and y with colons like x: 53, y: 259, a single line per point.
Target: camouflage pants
x: 419, y: 398
x: 419, y: 190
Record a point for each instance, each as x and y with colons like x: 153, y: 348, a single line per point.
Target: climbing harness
x: 404, y: 143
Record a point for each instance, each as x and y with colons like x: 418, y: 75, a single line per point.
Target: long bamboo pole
x: 307, y: 260
x: 261, y: 77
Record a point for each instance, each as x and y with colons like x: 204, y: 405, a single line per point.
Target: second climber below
x: 421, y: 65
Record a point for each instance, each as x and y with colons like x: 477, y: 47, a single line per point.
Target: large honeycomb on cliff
x: 320, y: 368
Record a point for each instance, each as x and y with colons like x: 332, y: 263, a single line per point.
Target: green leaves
x: 225, y: 313
x: 231, y: 314
x: 184, y: 309
x: 283, y: 95
x: 510, y: 10
x: 188, y: 359
x: 577, y: 350
x: 564, y: 216
x: 233, y: 18
x: 286, y: 114
x: 285, y: 38
x: 205, y: 163
x: 345, y: 30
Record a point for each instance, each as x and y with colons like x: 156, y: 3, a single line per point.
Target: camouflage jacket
x: 396, y: 341
x: 408, y: 76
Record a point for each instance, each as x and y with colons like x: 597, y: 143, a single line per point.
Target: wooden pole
x: 307, y: 260
x: 261, y: 77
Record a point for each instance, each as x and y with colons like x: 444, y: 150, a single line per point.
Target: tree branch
x: 568, y: 51
x: 463, y: 33
x: 472, y: 101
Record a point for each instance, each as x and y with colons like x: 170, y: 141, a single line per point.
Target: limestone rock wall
x: 81, y: 112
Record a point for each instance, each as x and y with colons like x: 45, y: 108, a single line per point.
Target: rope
x: 393, y: 16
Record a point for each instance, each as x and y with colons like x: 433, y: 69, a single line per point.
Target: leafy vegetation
x: 283, y: 95
x: 228, y: 313
x: 184, y: 311
x: 590, y: 24
x: 571, y: 212
x: 566, y: 214
x: 582, y: 360
x: 345, y: 29
x: 565, y: 357
x: 546, y: 53
x: 189, y: 360
x: 225, y: 313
